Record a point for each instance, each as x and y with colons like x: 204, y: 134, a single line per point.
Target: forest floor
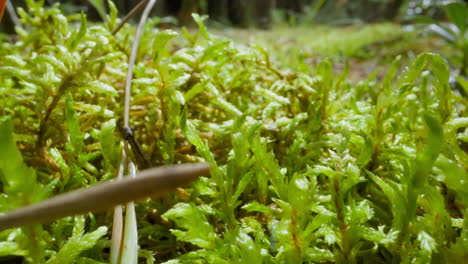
x: 366, y: 49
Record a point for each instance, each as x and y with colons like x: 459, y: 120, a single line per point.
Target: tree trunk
x: 393, y: 9
x: 240, y: 12
x: 263, y: 9
x: 218, y: 10
x: 247, y: 13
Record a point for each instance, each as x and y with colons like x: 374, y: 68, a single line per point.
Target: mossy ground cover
x: 310, y: 163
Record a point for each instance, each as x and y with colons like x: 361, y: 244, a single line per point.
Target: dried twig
x: 129, y: 15
x: 100, y: 197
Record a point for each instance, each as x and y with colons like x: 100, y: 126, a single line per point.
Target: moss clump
x: 306, y: 166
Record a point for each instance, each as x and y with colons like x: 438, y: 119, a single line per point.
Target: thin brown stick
x: 154, y: 183
x: 129, y: 15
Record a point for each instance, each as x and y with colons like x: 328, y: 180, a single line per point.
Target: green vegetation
x: 310, y: 163
x: 454, y: 33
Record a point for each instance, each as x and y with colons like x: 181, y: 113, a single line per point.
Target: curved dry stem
x: 128, y: 83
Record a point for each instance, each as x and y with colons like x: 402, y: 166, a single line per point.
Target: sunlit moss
x: 307, y: 166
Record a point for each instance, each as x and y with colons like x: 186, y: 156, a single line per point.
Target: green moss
x: 307, y: 165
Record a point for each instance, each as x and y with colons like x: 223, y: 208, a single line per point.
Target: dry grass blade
x: 129, y: 248
x: 117, y: 225
x: 129, y: 252
x: 149, y: 183
x: 131, y: 63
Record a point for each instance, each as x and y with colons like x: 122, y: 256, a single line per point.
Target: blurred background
x: 263, y: 14
x: 367, y: 34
